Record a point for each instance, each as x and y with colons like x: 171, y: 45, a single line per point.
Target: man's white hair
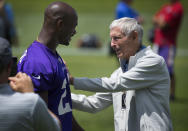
x: 128, y: 25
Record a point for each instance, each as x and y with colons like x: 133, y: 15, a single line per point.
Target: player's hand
x: 21, y: 83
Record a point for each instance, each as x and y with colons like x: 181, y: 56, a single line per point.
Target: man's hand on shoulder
x: 21, y: 83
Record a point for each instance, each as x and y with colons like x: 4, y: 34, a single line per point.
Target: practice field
x: 95, y: 17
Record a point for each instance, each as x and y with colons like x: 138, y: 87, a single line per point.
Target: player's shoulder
x: 36, y: 49
x: 36, y: 54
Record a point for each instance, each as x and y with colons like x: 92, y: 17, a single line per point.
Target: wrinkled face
x: 124, y: 46
x: 68, y: 30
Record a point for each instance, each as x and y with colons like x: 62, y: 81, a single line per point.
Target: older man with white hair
x: 138, y: 89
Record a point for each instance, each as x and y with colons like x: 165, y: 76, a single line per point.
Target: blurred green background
x: 95, y: 17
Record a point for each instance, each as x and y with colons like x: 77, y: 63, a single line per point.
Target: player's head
x: 126, y: 37
x: 5, y: 56
x: 61, y: 19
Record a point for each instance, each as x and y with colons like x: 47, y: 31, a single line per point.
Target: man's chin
x: 119, y: 56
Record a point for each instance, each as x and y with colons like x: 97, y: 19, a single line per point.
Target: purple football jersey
x: 49, y: 73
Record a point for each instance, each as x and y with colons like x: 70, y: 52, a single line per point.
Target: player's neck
x: 47, y: 41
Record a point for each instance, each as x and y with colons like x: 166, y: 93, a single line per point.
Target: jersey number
x: 62, y: 110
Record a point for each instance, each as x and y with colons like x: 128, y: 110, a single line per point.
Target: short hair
x: 128, y: 25
x: 5, y: 53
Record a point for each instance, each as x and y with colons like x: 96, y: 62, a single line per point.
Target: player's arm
x: 41, y: 80
x: 23, y: 83
x: 42, y: 85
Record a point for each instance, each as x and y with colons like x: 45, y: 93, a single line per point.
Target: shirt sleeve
x: 91, y: 104
x: 42, y: 119
x: 41, y: 77
x: 143, y: 75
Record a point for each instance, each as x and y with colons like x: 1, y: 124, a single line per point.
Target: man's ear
x: 134, y: 35
x: 59, y: 24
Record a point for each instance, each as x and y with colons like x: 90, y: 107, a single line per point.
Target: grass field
x: 95, y: 17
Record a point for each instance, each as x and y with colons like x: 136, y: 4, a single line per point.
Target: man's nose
x: 112, y: 43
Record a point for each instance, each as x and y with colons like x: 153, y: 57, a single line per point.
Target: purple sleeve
x: 40, y: 74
